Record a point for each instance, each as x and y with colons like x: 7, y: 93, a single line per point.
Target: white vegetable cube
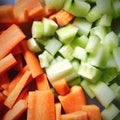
x: 49, y: 27
x: 83, y: 25
x: 33, y: 46
x: 103, y: 93
x: 67, y: 33
x: 37, y: 29
x: 89, y: 72
x: 53, y: 45
x: 80, y: 53
x: 116, y: 55
x: 110, y: 112
x: 59, y: 70
x: 66, y: 51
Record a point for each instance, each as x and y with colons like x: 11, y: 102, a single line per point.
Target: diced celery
x: 111, y: 40
x: 80, y: 41
x: 75, y: 81
x: 93, y: 43
x: 103, y: 93
x: 66, y: 51
x: 85, y: 84
x: 45, y: 58
x: 33, y: 46
x: 89, y: 72
x: 53, y: 45
x: 100, y: 31
x: 110, y: 112
x: 83, y: 25
x: 80, y: 53
x: 105, y: 20
x: 75, y: 63
x: 53, y: 4
x: 116, y: 7
x: 109, y: 74
x: 105, y: 6
x: 94, y: 14
x: 78, y: 8
x: 67, y: 33
x: 116, y: 55
x: 49, y: 27
x: 37, y: 29
x: 59, y: 70
x: 99, y: 57
x: 42, y: 41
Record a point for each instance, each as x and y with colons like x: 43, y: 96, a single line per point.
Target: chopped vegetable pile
x: 60, y: 60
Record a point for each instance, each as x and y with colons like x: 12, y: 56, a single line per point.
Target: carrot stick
x: 6, y: 14
x: 62, y: 17
x: 74, y: 100
x: 42, y: 82
x: 58, y: 108
x: 6, y: 63
x: 93, y: 112
x: 16, y: 111
x: 31, y: 60
x: 16, y: 50
x: 9, y: 39
x: 61, y: 87
x: 9, y: 102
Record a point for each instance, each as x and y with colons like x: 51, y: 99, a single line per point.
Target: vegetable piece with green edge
x: 99, y: 57
x: 103, y: 93
x: 83, y: 25
x: 33, y: 46
x: 53, y: 4
x: 105, y: 20
x: 67, y: 33
x: 53, y: 45
x: 49, y: 27
x: 110, y: 112
x: 93, y: 43
x: 85, y: 85
x: 116, y: 7
x: 75, y: 81
x: 66, y: 51
x: 80, y: 53
x: 80, y: 41
x: 37, y: 29
x: 59, y: 70
x: 89, y: 72
x: 116, y: 55
x: 77, y: 5
x: 93, y: 15
x: 42, y: 41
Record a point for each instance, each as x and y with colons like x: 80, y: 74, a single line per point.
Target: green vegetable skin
x: 85, y: 52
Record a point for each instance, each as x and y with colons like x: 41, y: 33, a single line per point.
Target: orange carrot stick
x: 9, y: 102
x: 74, y: 100
x: 6, y: 63
x: 93, y: 112
x: 42, y: 82
x: 62, y: 17
x: 61, y: 87
x: 58, y: 109
x: 9, y: 39
x: 31, y: 60
x: 16, y: 111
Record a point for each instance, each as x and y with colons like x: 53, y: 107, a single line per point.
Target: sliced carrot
x: 17, y: 78
x: 74, y: 100
x: 58, y: 108
x: 6, y: 14
x: 61, y: 87
x: 16, y: 111
x: 93, y: 112
x: 62, y: 17
x: 42, y: 82
x: 41, y: 105
x: 6, y: 63
x: 31, y: 60
x: 9, y: 39
x: 9, y: 102
x: 78, y: 115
